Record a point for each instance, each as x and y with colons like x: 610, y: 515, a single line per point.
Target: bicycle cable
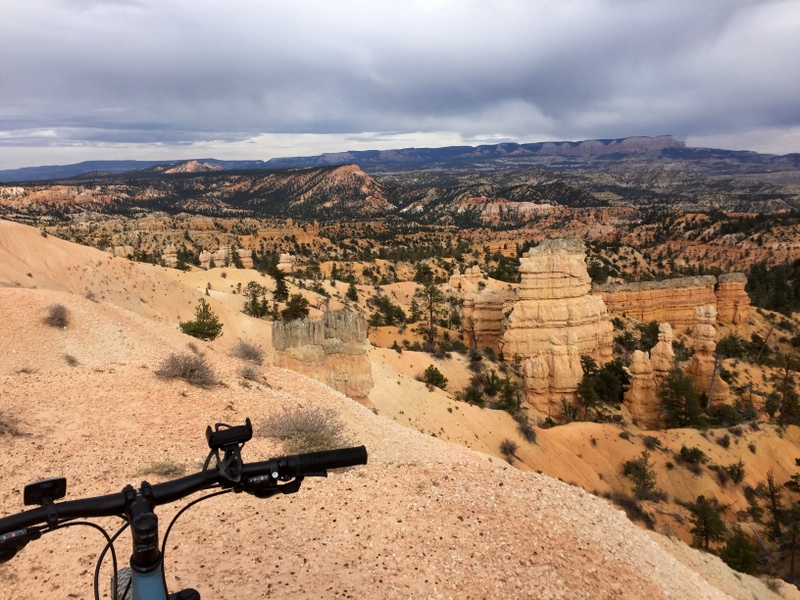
x: 172, y: 522
x: 109, y: 542
x: 114, y: 564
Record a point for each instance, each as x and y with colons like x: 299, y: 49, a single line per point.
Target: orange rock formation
x: 733, y: 303
x: 671, y: 301
x: 332, y: 350
x: 648, y: 372
x: 555, y: 321
x: 703, y: 366
x: 674, y: 300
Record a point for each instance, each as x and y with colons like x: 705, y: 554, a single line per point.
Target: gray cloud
x: 83, y: 73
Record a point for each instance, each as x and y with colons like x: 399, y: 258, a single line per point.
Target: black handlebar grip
x: 314, y: 462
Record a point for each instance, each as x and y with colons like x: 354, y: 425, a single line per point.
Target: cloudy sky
x: 172, y: 79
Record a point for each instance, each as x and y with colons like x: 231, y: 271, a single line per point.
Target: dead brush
x: 9, y: 425
x: 305, y: 429
x: 191, y: 368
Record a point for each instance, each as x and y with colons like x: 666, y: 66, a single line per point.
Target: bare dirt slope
x: 425, y: 519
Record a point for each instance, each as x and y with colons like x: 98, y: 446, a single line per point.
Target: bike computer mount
x: 230, y: 440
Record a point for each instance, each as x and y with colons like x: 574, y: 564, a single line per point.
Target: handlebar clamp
x: 231, y: 440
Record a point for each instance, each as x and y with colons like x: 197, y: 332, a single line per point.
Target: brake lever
x: 265, y: 486
x: 14, y: 541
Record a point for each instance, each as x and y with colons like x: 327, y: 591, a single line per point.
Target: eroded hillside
x: 425, y: 517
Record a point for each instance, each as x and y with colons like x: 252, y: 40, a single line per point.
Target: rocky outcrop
x: 224, y: 257
x: 647, y: 372
x: 556, y: 320
x: 641, y: 398
x: 671, y: 301
x: 703, y: 368
x: 674, y: 300
x: 123, y: 251
x: 553, y: 376
x: 467, y: 281
x: 662, y: 356
x: 482, y: 317
x: 332, y: 350
x: 286, y: 263
x: 733, y: 303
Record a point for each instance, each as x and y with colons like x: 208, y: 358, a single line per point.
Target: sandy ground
x: 426, y: 518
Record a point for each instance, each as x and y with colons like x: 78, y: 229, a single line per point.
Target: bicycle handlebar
x: 276, y: 469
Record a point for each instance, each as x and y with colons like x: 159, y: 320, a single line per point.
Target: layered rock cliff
x: 671, y: 301
x: 332, y: 350
x: 224, y: 257
x: 556, y: 320
x: 674, y: 301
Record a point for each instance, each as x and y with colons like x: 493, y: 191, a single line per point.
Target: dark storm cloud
x: 83, y: 72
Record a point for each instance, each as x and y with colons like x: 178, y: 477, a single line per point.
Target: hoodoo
x: 556, y: 320
x: 332, y: 350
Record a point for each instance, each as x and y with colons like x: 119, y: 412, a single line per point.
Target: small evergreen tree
x: 236, y: 260
x: 431, y: 299
x: 352, y: 292
x: 255, y: 303
x: 206, y: 324
x: 641, y: 472
x: 281, y: 293
x: 296, y: 308
x: 680, y: 403
x: 739, y: 553
x: 707, y: 525
x: 433, y: 376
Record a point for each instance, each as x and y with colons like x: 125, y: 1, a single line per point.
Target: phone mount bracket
x: 230, y: 440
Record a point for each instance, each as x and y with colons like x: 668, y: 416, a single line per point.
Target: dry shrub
x: 525, y: 428
x: 249, y: 373
x: 57, y: 316
x: 247, y: 351
x: 508, y: 448
x: 164, y: 468
x: 9, y: 425
x: 189, y: 367
x: 305, y: 429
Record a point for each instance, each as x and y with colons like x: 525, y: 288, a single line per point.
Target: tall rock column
x: 647, y: 372
x: 483, y: 319
x: 556, y: 319
x: 703, y: 366
x: 662, y: 356
x: 733, y: 303
x: 641, y: 397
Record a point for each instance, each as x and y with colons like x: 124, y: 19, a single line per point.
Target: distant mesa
x: 373, y: 159
x: 418, y: 156
x: 192, y: 166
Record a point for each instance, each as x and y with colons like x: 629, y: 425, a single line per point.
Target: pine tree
x: 296, y: 308
x: 206, y: 325
x: 255, y: 303
x: 352, y: 292
x: 281, y: 293
x: 739, y: 553
x: 680, y: 404
x: 431, y: 299
x: 707, y: 525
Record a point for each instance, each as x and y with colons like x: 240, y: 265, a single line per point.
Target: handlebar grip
x: 314, y: 462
